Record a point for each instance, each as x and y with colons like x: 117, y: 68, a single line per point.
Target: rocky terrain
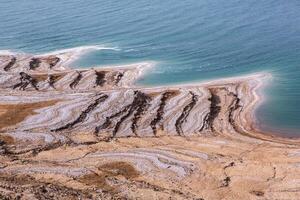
x: 94, y: 134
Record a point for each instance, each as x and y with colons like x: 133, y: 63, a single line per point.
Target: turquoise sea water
x: 191, y: 40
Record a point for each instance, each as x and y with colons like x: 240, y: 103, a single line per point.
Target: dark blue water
x: 190, y: 40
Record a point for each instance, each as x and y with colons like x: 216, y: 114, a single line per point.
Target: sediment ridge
x: 93, y: 133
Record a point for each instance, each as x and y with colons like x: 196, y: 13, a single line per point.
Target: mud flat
x: 94, y: 134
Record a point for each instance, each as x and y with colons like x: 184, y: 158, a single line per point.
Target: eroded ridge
x: 26, y: 80
x: 214, y: 111
x: 100, y: 78
x: 84, y: 113
x: 93, y: 134
x: 183, y: 111
x: 52, y: 72
x: 160, y: 111
x: 10, y: 64
x: 136, y: 109
x: 34, y: 63
x: 76, y: 80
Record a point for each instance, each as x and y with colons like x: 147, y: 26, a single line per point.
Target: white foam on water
x: 72, y: 54
x: 8, y: 52
x: 81, y: 50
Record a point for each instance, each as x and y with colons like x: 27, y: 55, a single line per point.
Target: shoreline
x: 95, y: 133
x: 68, y: 56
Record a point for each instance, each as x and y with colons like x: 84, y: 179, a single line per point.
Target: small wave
x: 131, y: 50
x: 81, y: 50
x: 72, y: 54
x: 75, y: 51
x: 10, y: 52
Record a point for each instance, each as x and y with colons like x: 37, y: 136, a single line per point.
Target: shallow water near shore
x: 189, y: 40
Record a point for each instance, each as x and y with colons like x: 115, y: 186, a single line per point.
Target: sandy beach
x: 94, y: 133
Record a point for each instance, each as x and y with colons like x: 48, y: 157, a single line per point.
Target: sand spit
x: 93, y: 134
